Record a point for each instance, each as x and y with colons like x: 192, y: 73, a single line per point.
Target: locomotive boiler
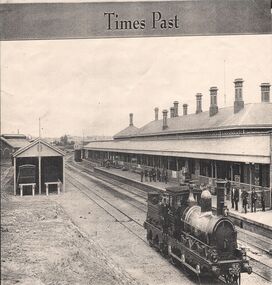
x: 180, y: 224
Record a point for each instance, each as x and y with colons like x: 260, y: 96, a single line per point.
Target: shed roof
x: 15, y: 142
x: 253, y: 115
x: 14, y: 136
x: 31, y: 150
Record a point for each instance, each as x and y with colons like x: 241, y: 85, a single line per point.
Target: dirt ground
x: 41, y: 245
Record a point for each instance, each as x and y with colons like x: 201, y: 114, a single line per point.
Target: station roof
x: 229, y: 148
x: 15, y: 142
x: 37, y: 148
x: 253, y: 115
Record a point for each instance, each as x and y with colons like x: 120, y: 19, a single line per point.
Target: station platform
x: 259, y: 223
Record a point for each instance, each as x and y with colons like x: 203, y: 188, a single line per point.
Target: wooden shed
x: 39, y: 168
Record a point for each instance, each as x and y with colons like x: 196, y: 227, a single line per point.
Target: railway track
x: 259, y: 268
x: 119, y: 215
x: 126, y: 220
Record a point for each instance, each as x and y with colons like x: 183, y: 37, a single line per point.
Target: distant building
x: 231, y: 142
x: 11, y: 143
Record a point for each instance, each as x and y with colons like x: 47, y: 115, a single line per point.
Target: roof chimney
x: 156, y: 113
x: 198, y: 103
x: 131, y: 119
x: 185, y: 109
x: 172, y: 112
x: 239, y: 102
x: 164, y: 119
x: 176, y: 108
x: 213, y: 106
x: 265, y: 90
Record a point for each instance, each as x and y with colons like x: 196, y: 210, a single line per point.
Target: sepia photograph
x: 135, y: 159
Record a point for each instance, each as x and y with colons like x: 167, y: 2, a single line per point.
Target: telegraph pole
x: 83, y: 154
x: 39, y: 157
x: 225, y: 99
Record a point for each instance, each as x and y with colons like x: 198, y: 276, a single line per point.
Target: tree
x: 64, y: 140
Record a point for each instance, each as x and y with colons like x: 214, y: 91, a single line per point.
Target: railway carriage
x: 26, y: 174
x: 181, y: 225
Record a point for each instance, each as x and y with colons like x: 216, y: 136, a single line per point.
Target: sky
x: 92, y: 85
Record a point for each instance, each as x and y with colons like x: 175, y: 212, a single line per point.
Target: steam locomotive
x: 181, y: 225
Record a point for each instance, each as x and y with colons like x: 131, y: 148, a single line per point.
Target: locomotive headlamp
x: 247, y: 268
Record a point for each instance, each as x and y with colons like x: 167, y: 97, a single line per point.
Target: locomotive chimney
x: 265, y: 91
x: 239, y: 102
x: 185, y: 109
x: 176, y: 108
x: 172, y: 112
x: 198, y: 103
x: 156, y: 113
x: 131, y: 119
x: 164, y: 119
x: 220, y: 192
x: 206, y: 201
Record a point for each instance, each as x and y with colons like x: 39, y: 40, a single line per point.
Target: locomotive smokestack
x: 220, y: 192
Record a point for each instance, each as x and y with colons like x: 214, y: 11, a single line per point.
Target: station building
x: 231, y: 142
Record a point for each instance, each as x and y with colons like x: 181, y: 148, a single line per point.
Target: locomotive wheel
x: 174, y: 261
x: 164, y: 250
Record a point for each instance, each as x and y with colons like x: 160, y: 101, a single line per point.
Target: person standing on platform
x: 166, y: 176
x: 263, y: 201
x: 244, y: 197
x: 146, y: 175
x: 253, y: 200
x: 232, y: 197
x: 236, y: 198
x: 150, y: 175
x: 163, y: 175
x: 228, y: 189
x: 142, y: 175
x: 158, y: 174
x: 154, y: 174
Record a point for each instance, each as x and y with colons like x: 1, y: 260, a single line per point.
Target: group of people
x: 154, y: 174
x: 235, y: 196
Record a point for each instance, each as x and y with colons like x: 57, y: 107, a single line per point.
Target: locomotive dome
x: 206, y: 195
